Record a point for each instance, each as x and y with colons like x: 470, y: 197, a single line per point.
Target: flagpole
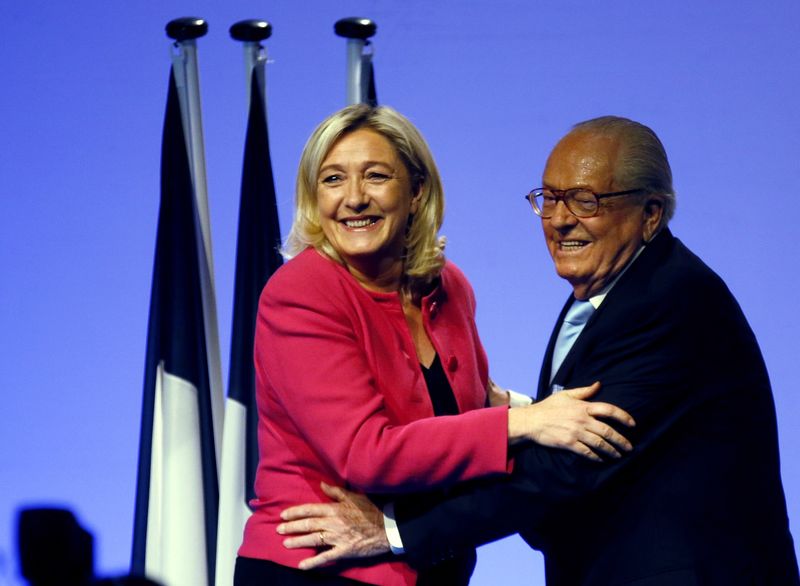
x: 356, y: 31
x: 258, y: 239
x: 185, y: 32
x: 251, y: 33
x: 177, y: 494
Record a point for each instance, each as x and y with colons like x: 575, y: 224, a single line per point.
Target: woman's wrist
x: 519, y: 425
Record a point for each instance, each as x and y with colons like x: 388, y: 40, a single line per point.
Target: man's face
x: 590, y: 252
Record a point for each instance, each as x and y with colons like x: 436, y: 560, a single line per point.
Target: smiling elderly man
x: 699, y: 501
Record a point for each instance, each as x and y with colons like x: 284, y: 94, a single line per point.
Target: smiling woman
x: 363, y: 337
x: 379, y: 132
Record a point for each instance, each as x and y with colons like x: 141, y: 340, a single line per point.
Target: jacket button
x: 452, y: 364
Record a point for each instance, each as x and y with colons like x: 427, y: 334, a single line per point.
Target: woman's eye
x: 376, y: 177
x: 331, y: 179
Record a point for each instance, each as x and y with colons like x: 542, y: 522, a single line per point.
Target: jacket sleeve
x: 308, y: 355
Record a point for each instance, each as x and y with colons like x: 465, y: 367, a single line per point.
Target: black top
x: 442, y: 397
x: 457, y: 570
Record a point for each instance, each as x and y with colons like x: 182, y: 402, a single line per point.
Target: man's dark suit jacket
x: 698, y: 502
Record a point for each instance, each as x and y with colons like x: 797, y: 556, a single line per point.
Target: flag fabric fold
x: 257, y: 257
x: 371, y: 93
x: 177, y: 497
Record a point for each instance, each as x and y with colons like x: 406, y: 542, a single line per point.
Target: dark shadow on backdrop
x: 55, y: 550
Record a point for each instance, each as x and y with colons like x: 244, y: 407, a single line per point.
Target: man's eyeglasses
x: 583, y: 203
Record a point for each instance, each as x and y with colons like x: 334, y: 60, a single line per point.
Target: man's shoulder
x: 670, y: 287
x: 671, y: 270
x: 677, y: 295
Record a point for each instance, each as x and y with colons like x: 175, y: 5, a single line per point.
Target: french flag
x: 177, y: 491
x: 257, y: 257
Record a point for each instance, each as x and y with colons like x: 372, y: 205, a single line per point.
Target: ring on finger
x: 321, y: 539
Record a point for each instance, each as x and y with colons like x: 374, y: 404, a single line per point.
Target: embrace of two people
x: 649, y: 457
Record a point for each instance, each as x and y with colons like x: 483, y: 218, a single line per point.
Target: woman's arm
x: 564, y: 420
x: 311, y: 364
x: 567, y: 421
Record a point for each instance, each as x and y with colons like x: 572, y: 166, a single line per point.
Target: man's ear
x: 653, y: 212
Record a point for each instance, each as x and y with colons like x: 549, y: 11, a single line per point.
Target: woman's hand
x: 567, y: 421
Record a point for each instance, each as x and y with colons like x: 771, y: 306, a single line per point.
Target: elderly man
x: 699, y: 501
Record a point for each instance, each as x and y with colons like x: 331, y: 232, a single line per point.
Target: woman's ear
x: 416, y: 198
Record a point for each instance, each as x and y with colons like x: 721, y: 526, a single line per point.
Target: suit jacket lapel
x: 605, y: 316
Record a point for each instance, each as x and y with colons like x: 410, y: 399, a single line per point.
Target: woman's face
x: 364, y: 201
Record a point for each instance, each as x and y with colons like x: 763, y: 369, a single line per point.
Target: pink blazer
x: 342, y: 399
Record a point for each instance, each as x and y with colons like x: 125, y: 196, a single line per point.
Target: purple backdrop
x: 491, y: 83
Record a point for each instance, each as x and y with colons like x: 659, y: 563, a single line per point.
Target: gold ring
x: 322, y: 539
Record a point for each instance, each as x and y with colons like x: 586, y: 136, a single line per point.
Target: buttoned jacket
x: 342, y: 399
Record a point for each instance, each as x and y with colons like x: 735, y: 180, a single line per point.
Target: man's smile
x: 572, y: 245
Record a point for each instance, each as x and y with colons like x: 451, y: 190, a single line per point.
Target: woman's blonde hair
x: 424, y: 256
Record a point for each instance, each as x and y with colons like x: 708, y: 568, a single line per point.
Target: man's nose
x: 562, y: 217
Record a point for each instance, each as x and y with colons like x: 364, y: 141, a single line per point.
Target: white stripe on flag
x: 233, y: 511
x: 176, y: 542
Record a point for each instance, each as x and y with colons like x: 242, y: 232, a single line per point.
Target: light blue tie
x: 576, y: 318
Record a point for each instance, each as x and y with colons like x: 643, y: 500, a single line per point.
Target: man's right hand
x: 350, y: 527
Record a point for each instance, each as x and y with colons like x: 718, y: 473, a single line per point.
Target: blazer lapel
x: 611, y: 310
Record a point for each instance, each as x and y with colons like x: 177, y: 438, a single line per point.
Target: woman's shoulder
x: 307, y: 274
x: 454, y: 277
x: 455, y: 285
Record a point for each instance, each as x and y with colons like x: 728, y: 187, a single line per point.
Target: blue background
x: 492, y: 84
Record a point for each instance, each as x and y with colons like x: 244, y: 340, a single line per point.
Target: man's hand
x: 349, y: 527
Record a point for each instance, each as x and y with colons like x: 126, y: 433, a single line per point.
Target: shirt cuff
x: 392, y: 532
x: 516, y: 399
